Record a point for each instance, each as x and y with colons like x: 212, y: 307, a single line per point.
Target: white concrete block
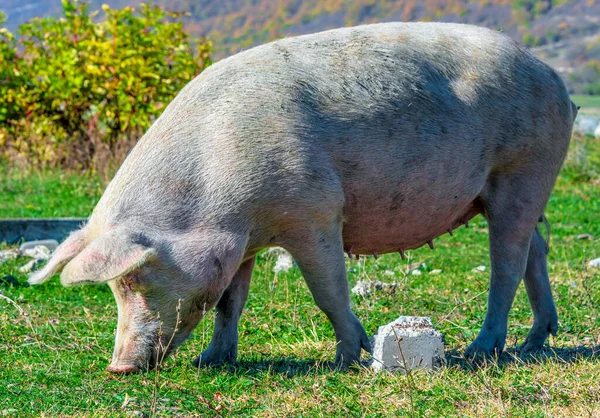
x: 407, y: 343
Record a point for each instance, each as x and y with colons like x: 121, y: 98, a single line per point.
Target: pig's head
x: 162, y: 287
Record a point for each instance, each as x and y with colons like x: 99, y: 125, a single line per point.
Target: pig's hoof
x: 209, y: 359
x: 348, y: 353
x: 528, y: 348
x: 538, y: 335
x: 533, y: 343
x: 484, y: 346
x: 344, y: 362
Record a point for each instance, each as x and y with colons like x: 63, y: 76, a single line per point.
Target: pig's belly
x: 383, y: 225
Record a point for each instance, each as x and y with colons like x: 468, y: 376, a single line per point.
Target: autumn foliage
x: 82, y: 88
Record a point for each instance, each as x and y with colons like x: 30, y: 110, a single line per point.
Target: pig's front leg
x: 223, y: 345
x: 320, y: 256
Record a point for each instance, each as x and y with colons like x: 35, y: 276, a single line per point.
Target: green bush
x: 76, y: 88
x: 10, y: 76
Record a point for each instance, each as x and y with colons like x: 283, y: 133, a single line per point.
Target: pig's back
x: 403, y: 87
x: 399, y: 124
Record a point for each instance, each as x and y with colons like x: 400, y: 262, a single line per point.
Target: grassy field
x: 47, y: 194
x: 587, y: 103
x: 55, y: 343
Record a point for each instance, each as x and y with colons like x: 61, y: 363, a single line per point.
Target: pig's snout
x: 122, y: 368
x: 139, y: 357
x: 133, y: 353
x: 127, y: 365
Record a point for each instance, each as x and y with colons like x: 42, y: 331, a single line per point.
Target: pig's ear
x: 72, y: 246
x: 107, y: 258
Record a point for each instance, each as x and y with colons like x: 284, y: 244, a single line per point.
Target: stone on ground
x: 587, y: 124
x: 39, y: 247
x: 39, y: 252
x: 594, y: 263
x: 585, y: 236
x: 367, y: 287
x: 30, y: 266
x: 284, y: 262
x: 407, y: 343
x: 8, y: 255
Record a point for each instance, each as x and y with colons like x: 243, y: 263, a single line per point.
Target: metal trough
x: 13, y: 231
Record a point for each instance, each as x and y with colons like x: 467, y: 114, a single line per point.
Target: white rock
x: 276, y: 251
x: 367, y: 287
x: 479, y: 269
x: 39, y: 252
x: 284, y: 262
x: 50, y: 244
x: 594, y: 263
x: 8, y: 255
x: 436, y: 271
x: 585, y: 236
x: 413, y: 266
x: 416, y: 272
x: 407, y: 343
x: 587, y: 124
x: 362, y: 288
x: 30, y: 266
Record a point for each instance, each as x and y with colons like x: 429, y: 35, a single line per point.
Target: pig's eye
x: 131, y: 282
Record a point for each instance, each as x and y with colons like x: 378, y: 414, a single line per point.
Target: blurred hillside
x: 566, y: 33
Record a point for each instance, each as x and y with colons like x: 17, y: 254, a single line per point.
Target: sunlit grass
x: 55, y: 343
x: 587, y: 102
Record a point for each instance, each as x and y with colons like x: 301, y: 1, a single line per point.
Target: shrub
x: 10, y: 75
x: 78, y: 89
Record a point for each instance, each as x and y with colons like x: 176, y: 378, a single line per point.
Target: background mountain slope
x: 566, y: 33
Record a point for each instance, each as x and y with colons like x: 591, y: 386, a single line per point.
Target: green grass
x: 586, y: 102
x: 54, y: 352
x: 27, y: 194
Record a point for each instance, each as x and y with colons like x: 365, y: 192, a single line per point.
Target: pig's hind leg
x: 320, y: 256
x: 224, y: 343
x: 513, y: 203
x: 545, y: 320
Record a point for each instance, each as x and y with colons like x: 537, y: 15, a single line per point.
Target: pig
x: 365, y: 140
